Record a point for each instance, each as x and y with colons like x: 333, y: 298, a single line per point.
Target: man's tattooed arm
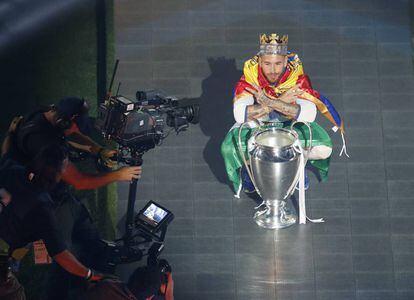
x: 268, y: 104
x: 257, y: 111
x: 290, y: 110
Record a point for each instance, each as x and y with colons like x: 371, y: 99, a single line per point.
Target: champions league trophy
x: 276, y: 161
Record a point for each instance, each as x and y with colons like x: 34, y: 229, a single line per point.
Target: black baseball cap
x: 71, y: 106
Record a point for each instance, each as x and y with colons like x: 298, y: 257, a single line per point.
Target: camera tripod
x: 136, y: 241
x: 136, y: 160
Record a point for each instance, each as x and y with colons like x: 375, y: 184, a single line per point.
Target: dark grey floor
x: 359, y: 54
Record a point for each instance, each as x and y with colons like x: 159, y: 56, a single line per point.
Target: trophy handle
x: 298, y: 148
x: 241, y: 152
x: 302, y: 156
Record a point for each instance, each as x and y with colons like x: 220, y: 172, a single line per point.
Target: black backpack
x: 18, y: 139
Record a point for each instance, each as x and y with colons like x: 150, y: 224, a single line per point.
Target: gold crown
x: 273, y: 44
x: 273, y: 39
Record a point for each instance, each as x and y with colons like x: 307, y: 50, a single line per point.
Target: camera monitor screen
x: 154, y: 215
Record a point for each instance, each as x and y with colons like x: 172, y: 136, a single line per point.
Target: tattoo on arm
x: 273, y: 103
x: 257, y: 111
x: 290, y: 110
x: 287, y: 109
x: 266, y: 104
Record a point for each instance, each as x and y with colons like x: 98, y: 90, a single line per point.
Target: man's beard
x: 277, y: 77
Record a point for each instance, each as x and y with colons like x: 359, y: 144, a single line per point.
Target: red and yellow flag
x: 294, y: 74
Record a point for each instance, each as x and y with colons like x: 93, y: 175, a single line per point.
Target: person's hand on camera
x: 128, y: 173
x: 105, y: 155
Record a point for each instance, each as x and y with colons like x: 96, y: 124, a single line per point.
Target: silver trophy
x: 275, y: 157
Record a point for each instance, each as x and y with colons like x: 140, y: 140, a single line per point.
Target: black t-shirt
x: 38, y: 224
x: 32, y: 135
x: 29, y: 216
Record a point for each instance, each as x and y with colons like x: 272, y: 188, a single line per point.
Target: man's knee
x: 320, y: 152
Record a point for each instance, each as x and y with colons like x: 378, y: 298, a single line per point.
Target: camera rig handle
x: 136, y: 160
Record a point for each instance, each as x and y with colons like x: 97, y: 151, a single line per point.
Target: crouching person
x: 29, y: 213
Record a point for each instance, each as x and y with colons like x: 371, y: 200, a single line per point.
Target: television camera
x: 138, y: 125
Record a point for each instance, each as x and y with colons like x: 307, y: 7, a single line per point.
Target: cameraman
x: 146, y: 283
x: 55, y: 126
x: 29, y: 216
x: 60, y: 124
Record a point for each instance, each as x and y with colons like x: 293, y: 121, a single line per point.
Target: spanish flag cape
x: 253, y: 76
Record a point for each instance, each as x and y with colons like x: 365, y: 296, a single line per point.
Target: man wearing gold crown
x: 275, y: 88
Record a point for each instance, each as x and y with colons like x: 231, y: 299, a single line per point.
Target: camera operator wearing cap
x: 145, y: 283
x: 60, y: 124
x: 28, y: 215
x: 57, y: 125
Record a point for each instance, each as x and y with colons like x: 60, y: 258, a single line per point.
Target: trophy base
x: 275, y: 216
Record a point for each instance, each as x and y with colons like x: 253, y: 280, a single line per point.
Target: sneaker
x: 248, y: 186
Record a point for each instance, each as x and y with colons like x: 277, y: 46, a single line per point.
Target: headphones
x: 64, y: 121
